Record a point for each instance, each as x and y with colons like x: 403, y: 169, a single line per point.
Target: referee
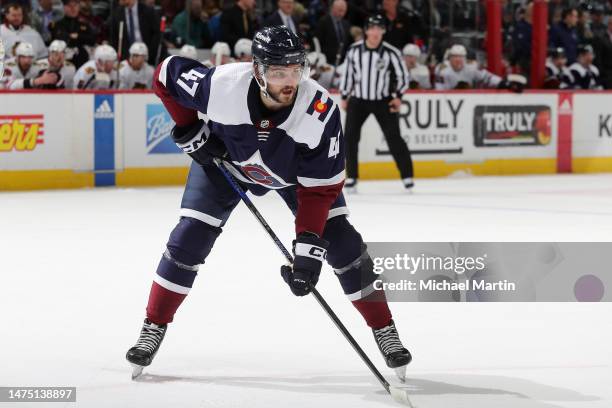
x: 373, y: 81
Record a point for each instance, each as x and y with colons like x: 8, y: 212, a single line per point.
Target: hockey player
x: 189, y: 51
x: 242, y: 50
x: 455, y: 73
x: 135, y: 73
x: 99, y: 73
x: 418, y: 73
x: 56, y: 63
x: 219, y: 55
x: 558, y: 75
x: 21, y: 71
x: 320, y: 70
x: 584, y: 73
x: 277, y: 130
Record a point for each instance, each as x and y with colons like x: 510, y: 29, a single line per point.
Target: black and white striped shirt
x: 373, y: 74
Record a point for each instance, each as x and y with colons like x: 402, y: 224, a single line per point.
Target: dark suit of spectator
x: 236, y: 23
x: 401, y: 30
x: 564, y: 35
x: 521, y: 45
x: 76, y: 31
x: 198, y: 34
x: 275, y: 19
x: 603, y: 56
x: 146, y: 21
x: 332, y: 32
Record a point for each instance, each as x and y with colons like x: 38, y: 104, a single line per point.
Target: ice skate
x: 143, y: 352
x: 395, y: 354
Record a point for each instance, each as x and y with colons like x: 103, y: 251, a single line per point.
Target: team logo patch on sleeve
x: 321, y: 108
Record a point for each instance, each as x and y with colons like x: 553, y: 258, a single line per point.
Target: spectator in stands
x: 558, y: 75
x: 135, y: 73
x: 170, y: 8
x: 56, y: 64
x: 418, y: 74
x: 237, y: 22
x: 43, y: 15
x: 598, y: 25
x: 192, y: 19
x: 20, y: 71
x: 356, y: 33
x: 211, y: 8
x: 603, y: 55
x: 401, y: 28
x: 94, y: 17
x: 521, y: 40
x: 14, y: 31
x: 333, y: 32
x: 585, y: 74
x: 140, y: 24
x: 564, y: 34
x: 283, y: 16
x: 75, y: 32
x: 100, y: 72
x: 583, y: 27
x: 242, y: 50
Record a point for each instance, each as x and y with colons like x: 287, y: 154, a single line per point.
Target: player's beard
x: 285, y: 95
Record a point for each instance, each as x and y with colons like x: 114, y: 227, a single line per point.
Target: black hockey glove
x: 514, y: 82
x: 197, y: 141
x: 310, y: 252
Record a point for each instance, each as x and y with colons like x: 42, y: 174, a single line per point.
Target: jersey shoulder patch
x: 311, y: 111
x: 229, y: 87
x: 89, y: 70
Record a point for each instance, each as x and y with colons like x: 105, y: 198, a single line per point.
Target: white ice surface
x: 76, y: 267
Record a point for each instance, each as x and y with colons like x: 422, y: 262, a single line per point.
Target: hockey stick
x: 398, y: 394
x: 1, y: 58
x: 119, y: 52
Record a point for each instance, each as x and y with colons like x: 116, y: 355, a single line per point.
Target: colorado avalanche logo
x: 321, y: 108
x: 256, y: 170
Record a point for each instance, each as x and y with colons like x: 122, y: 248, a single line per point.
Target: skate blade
x: 350, y: 190
x: 400, y: 372
x: 136, y: 371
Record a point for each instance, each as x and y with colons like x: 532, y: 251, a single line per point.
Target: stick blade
x: 400, y: 395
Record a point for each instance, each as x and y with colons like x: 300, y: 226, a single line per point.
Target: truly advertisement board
x: 512, y: 125
x: 469, y: 128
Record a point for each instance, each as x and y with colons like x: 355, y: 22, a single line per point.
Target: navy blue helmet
x: 557, y: 52
x: 278, y: 46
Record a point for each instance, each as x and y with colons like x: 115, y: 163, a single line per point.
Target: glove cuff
x: 310, y: 246
x: 193, y: 138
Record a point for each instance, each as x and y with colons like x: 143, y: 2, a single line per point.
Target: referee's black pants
x: 357, y: 112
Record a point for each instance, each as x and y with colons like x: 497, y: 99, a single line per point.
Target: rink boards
x: 71, y: 140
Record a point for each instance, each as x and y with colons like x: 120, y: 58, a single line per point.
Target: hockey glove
x: 197, y: 141
x: 309, y: 251
x: 514, y: 82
